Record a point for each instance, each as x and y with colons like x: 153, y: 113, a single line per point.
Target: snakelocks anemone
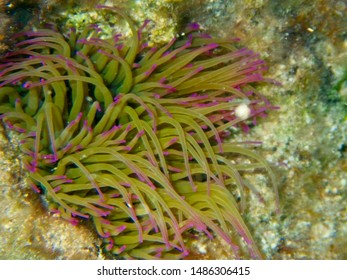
x: 133, y: 138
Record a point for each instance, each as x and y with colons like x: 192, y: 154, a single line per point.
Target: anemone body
x: 132, y: 137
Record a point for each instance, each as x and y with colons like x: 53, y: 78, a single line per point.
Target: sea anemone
x: 133, y: 138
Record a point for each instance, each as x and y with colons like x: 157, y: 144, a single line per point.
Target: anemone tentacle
x: 132, y: 137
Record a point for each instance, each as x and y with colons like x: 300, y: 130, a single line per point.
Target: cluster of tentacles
x: 131, y: 137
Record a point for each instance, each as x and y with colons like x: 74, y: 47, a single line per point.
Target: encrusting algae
x: 132, y: 137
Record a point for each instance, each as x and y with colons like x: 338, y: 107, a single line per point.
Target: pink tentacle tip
x: 152, y: 186
x: 188, y: 44
x: 120, y: 229
x: 98, y: 107
x: 120, y: 47
x: 79, y: 116
x: 110, y: 245
x: 174, y: 169
x: 27, y: 85
x: 122, y: 249
x: 9, y: 125
x: 53, y: 159
x: 193, y: 26
x: 85, y: 124
x: 35, y: 188
x: 57, y: 189
x: 170, y: 89
x: 115, y: 127
x: 173, y: 141
x: 159, y: 250
x: 140, y: 177
x: 140, y: 133
x: 212, y: 46
x: 116, y: 99
x: 185, y: 253
x: 166, y: 53
x: 150, y: 71
x: 96, y: 27
x: 162, y: 80
x: 205, y: 35
x: 153, y: 50
x: 19, y: 129
x: 32, y: 166
x: 73, y: 221
x: 79, y: 147
x: 49, y: 156
x: 129, y: 127
x: 105, y: 222
x: 105, y: 234
x: 117, y: 37
x: 67, y: 147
